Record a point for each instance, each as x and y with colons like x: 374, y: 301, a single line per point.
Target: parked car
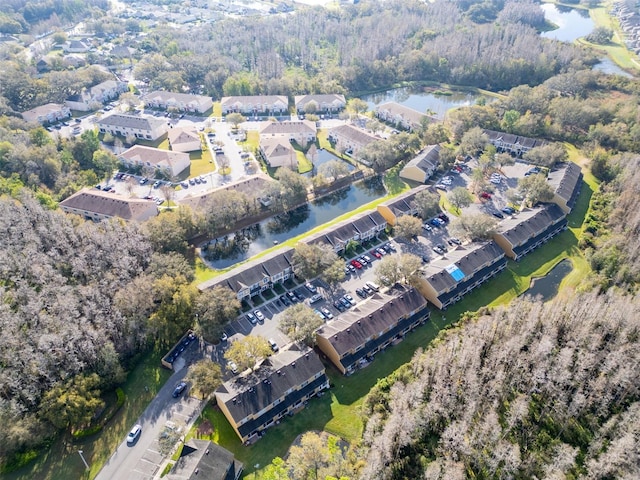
x: 252, y: 319
x: 351, y: 268
x: 455, y: 240
x: 438, y: 250
x: 224, y: 337
x: 382, y: 252
x: 441, y: 186
x: 373, y: 286
x: 231, y: 365
x: 339, y: 306
x: 356, y: 264
x: 389, y: 247
x: 347, y: 271
x: 509, y: 210
x: 367, y: 258
x: 497, y: 214
x: 361, y: 293
x: 327, y: 312
x: 320, y: 314
x: 375, y: 253
x: 315, y: 298
x: 312, y: 288
x: 134, y: 434
x: 344, y: 302
x: 363, y: 261
x: 285, y: 301
x: 259, y: 315
x: 444, y: 217
x: 485, y: 195
x: 181, y: 387
x: 292, y: 297
x: 427, y: 227
x: 273, y: 345
x: 143, y: 180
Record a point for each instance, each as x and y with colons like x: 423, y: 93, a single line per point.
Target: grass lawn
x: 201, y: 163
x: 62, y: 462
x: 616, y: 49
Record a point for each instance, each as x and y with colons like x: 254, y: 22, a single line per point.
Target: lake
x: 546, y: 287
x: 323, y: 156
x: 423, y: 99
x: 236, y: 247
x: 608, y: 66
x: 572, y: 23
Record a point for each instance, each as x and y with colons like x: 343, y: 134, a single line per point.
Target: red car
x: 356, y: 264
x: 485, y: 195
x: 375, y: 254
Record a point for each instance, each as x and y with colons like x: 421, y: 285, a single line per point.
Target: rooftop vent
x: 348, y: 330
x: 278, y: 372
x: 293, y: 364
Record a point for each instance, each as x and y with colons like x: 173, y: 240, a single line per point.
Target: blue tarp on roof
x: 455, y: 272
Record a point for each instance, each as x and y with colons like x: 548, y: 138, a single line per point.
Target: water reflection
x: 423, y: 99
x: 545, y: 288
x: 226, y: 251
x: 572, y: 23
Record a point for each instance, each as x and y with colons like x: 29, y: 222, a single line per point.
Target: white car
x: 134, y: 434
x: 259, y: 315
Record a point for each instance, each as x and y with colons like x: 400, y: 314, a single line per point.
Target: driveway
x: 142, y: 460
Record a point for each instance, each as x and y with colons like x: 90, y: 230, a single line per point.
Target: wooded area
x: 526, y: 391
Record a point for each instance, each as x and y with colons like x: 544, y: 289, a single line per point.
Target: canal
x: 227, y: 251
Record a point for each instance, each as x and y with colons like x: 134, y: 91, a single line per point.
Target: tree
x: 105, y: 163
x: 333, y: 169
x: 478, y: 181
x: 277, y: 470
x: 435, y: 133
x: 168, y: 192
x: 459, y: 197
x: 509, y: 120
x: 487, y: 161
x: 478, y: 226
x: 206, y: 376
x: 503, y: 159
x: 308, y: 457
x: 428, y: 204
x: 546, y: 155
x: 74, y: 403
x: 407, y: 227
x: 294, y: 187
x: 214, y: 308
x: 130, y: 100
x: 473, y: 142
x: 535, y: 189
x: 247, y: 352
x: 310, y: 260
x: 235, y: 119
x: 357, y: 106
x: 600, y: 35
x: 311, y: 107
x: 392, y: 269
x: 299, y: 323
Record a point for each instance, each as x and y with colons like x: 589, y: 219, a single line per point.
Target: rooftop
x: 139, y: 122
x: 529, y: 223
x: 111, y: 205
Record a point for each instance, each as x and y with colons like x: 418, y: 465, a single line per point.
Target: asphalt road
x: 142, y: 460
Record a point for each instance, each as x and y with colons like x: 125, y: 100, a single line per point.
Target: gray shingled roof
x: 566, y: 181
x: 354, y: 327
x: 529, y: 223
x: 404, y: 202
x: 131, y: 121
x: 354, y: 134
x: 253, y: 271
x: 246, y: 395
x: 427, y: 159
x: 211, y: 461
x: 111, y: 204
x: 467, y: 258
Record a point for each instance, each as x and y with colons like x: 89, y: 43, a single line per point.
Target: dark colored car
x: 509, y: 210
x: 181, y: 387
x: 361, y: 293
x: 497, y: 214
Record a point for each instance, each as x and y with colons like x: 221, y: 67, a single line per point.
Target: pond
x: 608, y: 66
x: 225, y: 252
x: 546, y: 287
x: 572, y: 23
x: 424, y: 99
x: 323, y: 156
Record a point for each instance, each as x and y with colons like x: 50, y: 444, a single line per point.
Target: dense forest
x: 526, y: 391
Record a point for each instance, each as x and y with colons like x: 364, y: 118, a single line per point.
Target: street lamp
x: 83, y: 460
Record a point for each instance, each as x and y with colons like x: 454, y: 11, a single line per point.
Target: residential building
x: 359, y: 228
x: 278, y: 152
x: 521, y: 234
x: 74, y: 60
x: 252, y: 186
x: 75, y: 46
x: 445, y: 280
x: 300, y: 131
x: 184, y: 140
x: 94, y: 204
x: 401, y: 116
x: 515, y: 144
x: 423, y: 165
x: 350, y: 139
x: 281, y: 385
x: 255, y: 104
x: 354, y: 337
x: 403, y: 204
x: 327, y: 103
x: 566, y: 181
x: 256, y: 276
x: 184, y: 102
x: 168, y: 162
x: 49, y: 113
x: 94, y: 97
x: 205, y: 459
x: 138, y: 126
